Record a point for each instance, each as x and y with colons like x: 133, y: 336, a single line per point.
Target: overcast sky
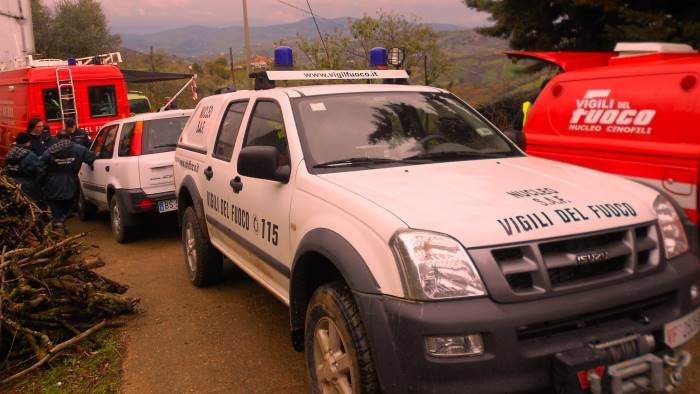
x: 138, y: 16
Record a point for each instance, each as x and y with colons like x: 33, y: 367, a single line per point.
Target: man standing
x: 37, y: 140
x: 25, y: 168
x: 63, y: 161
x: 79, y: 136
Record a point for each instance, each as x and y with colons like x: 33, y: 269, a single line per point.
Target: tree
x: 75, y: 28
x: 387, y: 30
x: 41, y: 23
x: 590, y: 24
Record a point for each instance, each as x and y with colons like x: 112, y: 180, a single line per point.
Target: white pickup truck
x: 420, y: 250
x: 133, y: 173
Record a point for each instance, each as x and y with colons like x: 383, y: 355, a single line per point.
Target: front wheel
x: 204, y: 262
x: 337, y: 349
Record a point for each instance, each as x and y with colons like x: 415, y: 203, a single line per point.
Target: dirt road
x: 233, y: 337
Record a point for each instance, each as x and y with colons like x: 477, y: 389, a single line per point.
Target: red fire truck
x: 91, y: 90
x: 633, y: 112
x: 53, y: 90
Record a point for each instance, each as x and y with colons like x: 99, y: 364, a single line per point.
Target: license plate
x: 167, y: 205
x: 682, y: 330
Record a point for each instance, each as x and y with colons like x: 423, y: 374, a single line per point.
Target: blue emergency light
x: 378, y: 58
x: 72, y: 61
x: 284, y: 58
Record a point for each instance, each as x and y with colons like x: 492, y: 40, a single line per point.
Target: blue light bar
x: 378, y: 57
x: 284, y: 58
x: 72, y: 61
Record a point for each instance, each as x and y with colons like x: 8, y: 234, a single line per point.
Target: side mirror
x: 517, y: 137
x: 261, y: 162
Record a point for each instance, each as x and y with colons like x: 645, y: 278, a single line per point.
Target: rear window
x: 161, y: 135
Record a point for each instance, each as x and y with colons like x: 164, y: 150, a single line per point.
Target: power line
x: 296, y: 7
x: 325, y: 48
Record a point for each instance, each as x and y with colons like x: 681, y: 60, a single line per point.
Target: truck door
x: 94, y: 181
x: 256, y: 214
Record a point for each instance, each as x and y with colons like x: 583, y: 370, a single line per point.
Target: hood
x: 500, y: 201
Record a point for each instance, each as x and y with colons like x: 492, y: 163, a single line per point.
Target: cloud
x: 151, y: 15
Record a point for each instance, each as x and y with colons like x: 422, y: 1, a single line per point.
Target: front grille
x: 636, y: 311
x: 536, y: 269
x: 577, y: 273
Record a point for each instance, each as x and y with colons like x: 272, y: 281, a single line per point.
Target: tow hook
x: 677, y: 363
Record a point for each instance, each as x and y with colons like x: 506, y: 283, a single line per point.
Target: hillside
x: 204, y: 41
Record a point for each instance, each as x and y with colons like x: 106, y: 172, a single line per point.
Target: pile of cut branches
x: 50, y: 299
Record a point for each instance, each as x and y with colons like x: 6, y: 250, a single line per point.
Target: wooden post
x: 246, y: 40
x: 425, y: 69
x: 153, y: 60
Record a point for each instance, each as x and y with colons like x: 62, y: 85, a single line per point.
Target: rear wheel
x: 86, y: 210
x: 203, y: 261
x: 336, y: 344
x: 118, y: 217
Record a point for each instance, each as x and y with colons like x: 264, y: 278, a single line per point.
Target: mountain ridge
x: 199, y: 40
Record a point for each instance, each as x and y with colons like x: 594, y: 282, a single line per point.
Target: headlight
x: 672, y: 231
x: 436, y: 266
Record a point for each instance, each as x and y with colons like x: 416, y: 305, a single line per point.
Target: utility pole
x: 246, y: 40
x: 233, y: 74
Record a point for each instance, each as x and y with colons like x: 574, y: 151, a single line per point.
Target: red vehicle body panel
x: 21, y: 98
x: 637, y: 116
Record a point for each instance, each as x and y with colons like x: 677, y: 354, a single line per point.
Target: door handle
x: 107, y: 168
x: 236, y: 184
x: 208, y: 173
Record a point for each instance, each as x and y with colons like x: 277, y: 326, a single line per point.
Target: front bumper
x: 520, y: 339
x: 132, y: 200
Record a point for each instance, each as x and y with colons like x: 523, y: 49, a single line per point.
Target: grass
x: 93, y: 367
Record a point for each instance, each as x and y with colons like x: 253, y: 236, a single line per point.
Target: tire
x: 86, y: 209
x: 346, y: 365
x: 204, y: 263
x: 117, y: 217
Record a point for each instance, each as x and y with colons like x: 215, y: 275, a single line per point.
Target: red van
x: 633, y: 112
x: 92, y: 94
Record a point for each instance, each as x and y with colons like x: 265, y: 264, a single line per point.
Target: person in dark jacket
x: 25, y: 167
x: 77, y: 135
x: 35, y: 129
x: 63, y: 161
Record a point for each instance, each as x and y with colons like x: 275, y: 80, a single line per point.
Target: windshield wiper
x: 449, y: 155
x: 364, y: 161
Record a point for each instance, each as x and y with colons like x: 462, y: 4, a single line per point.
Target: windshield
x: 396, y: 128
x: 139, y: 106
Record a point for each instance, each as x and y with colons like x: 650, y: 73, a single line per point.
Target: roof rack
x: 645, y: 48
x: 29, y: 61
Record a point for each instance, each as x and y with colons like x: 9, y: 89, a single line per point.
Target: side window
x: 99, y: 141
x: 228, y: 131
x: 106, y: 148
x: 266, y: 128
x: 126, y: 139
x: 52, y: 108
x: 103, y: 101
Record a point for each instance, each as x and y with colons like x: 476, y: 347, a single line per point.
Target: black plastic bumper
x: 516, y: 359
x: 131, y: 200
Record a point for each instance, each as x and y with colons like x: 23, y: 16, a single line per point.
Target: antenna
x: 325, y: 48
